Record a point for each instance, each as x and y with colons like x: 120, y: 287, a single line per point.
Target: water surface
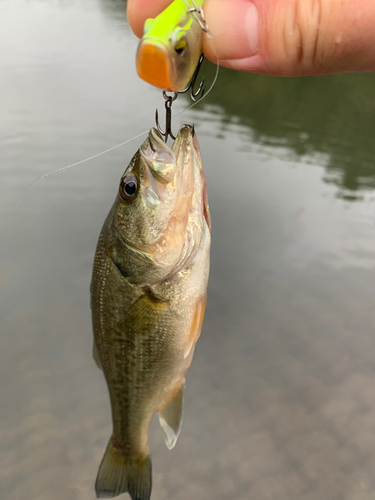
x: 280, y: 398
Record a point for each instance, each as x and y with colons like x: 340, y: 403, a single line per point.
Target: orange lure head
x: 169, y: 50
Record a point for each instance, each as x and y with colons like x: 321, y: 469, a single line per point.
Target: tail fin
x: 118, y: 475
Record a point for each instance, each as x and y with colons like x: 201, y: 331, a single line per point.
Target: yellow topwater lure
x: 169, y: 52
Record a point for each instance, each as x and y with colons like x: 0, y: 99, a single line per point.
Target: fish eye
x: 180, y: 47
x: 128, y: 187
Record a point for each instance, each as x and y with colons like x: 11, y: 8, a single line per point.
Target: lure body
x: 169, y: 50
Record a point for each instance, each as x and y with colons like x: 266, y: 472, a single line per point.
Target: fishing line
x: 57, y: 170
x: 43, y: 176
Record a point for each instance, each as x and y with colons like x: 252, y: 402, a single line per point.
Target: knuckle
x: 297, y: 41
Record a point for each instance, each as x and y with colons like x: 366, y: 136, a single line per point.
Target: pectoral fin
x: 170, y: 417
x: 95, y: 355
x: 196, y: 325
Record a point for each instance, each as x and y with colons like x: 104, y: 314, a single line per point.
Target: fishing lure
x: 169, y: 54
x: 170, y: 50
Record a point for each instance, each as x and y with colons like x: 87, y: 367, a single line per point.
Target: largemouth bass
x: 148, y: 295
x: 169, y: 50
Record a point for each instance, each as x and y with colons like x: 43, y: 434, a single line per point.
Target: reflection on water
x: 333, y: 115
x: 280, y: 396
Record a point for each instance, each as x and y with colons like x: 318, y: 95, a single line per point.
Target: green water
x: 280, y: 398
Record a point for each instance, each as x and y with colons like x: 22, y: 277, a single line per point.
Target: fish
x: 169, y: 51
x: 148, y: 297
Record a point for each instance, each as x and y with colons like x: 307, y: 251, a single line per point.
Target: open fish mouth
x: 170, y: 203
x: 159, y: 157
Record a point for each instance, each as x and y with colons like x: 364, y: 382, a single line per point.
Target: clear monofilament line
x: 43, y: 176
x: 80, y: 162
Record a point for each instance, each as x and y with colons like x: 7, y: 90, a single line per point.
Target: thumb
x: 292, y: 37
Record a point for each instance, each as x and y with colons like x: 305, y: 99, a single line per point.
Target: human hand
x: 282, y: 37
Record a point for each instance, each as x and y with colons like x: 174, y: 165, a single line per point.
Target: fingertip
x: 235, y: 33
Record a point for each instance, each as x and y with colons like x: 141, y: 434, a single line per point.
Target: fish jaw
x: 182, y: 237
x: 193, y: 196
x: 159, y: 157
x: 164, y: 223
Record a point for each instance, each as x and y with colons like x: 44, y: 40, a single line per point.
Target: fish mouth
x: 173, y: 202
x: 169, y: 170
x: 159, y: 158
x: 163, y: 161
x: 186, y: 138
x: 153, y: 64
x: 168, y: 177
x: 183, y: 146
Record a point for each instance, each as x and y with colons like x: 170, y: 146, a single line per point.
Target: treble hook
x: 198, y: 14
x: 168, y: 116
x: 201, y: 89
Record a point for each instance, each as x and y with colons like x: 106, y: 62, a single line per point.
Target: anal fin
x: 170, y: 417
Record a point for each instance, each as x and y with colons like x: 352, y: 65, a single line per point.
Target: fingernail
x: 252, y: 27
x: 235, y: 26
